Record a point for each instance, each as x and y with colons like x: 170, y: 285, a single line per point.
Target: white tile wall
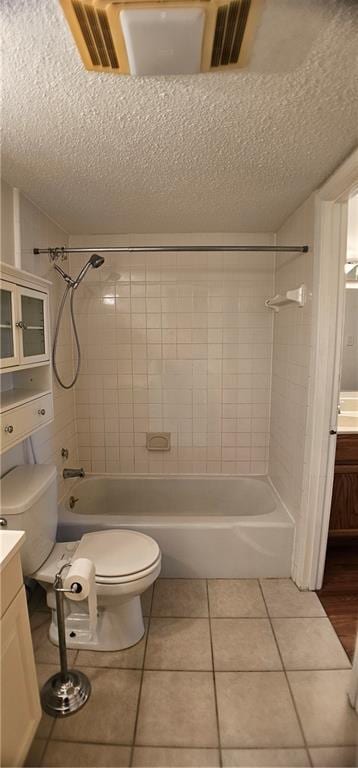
x: 180, y: 343
x: 38, y: 230
x: 292, y: 347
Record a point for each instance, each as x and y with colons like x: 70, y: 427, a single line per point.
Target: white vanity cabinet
x: 26, y: 402
x: 20, y: 701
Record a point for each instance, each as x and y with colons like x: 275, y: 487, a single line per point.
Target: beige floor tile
x: 35, y: 753
x: 245, y: 758
x: 322, y: 704
x: 334, y: 757
x: 72, y: 755
x: 129, y: 658
x: 229, y: 598
x: 146, y: 600
x: 177, y: 709
x: 284, y: 600
x: 309, y: 644
x: 170, y: 757
x: 44, y: 671
x: 109, y: 715
x: 45, y: 651
x: 244, y: 644
x: 256, y: 710
x: 180, y: 598
x: 179, y: 644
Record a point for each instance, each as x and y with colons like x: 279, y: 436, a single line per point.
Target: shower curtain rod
x: 55, y: 253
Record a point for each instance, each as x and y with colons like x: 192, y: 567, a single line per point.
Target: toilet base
x: 119, y: 626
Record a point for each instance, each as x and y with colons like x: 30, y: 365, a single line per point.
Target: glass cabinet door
x: 8, y: 346
x: 33, y: 324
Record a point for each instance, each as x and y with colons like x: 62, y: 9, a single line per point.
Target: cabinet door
x: 9, y: 351
x: 33, y: 310
x: 20, y: 701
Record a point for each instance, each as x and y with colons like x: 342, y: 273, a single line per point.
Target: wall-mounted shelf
x: 296, y: 296
x: 26, y: 402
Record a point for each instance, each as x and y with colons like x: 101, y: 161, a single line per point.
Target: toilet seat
x: 119, y: 555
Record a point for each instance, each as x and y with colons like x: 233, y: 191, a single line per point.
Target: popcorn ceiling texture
x: 210, y: 153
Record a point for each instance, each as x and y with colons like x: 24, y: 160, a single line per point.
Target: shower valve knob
x: 41, y: 412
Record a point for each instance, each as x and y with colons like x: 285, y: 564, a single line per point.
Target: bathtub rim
x: 280, y: 516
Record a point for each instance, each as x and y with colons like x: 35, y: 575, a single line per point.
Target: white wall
x: 291, y: 361
x: 36, y: 229
x: 7, y: 224
x: 180, y: 343
x: 349, y: 377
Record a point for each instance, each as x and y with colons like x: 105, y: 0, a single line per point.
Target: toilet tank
x: 29, y: 503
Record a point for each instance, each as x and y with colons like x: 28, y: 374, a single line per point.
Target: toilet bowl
x: 126, y: 563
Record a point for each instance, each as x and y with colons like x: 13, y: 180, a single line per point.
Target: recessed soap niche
x: 158, y: 441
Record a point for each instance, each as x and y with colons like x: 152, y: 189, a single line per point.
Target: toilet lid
x: 118, y: 553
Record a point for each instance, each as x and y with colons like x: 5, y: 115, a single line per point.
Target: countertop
x: 10, y: 543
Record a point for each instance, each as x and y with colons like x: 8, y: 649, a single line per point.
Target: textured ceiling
x: 208, y: 153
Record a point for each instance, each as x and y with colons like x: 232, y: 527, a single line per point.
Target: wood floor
x: 339, y: 593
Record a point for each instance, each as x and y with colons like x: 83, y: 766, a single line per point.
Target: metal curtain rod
x: 55, y: 253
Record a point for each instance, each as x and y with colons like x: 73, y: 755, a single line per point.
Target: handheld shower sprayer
x: 72, y: 284
x: 94, y: 261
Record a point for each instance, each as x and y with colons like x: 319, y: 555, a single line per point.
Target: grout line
x: 286, y: 677
x: 214, y: 677
x: 208, y: 669
x: 186, y: 746
x: 141, y: 679
x: 47, y: 740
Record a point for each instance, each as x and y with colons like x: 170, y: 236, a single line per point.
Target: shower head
x: 94, y: 261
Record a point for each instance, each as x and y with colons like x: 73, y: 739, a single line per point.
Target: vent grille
x: 230, y: 27
x: 96, y: 35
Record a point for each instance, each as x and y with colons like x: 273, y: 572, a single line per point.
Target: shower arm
x: 57, y: 253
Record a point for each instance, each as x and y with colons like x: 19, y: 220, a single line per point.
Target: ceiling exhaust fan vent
x: 163, y: 36
x: 96, y: 34
x: 230, y: 27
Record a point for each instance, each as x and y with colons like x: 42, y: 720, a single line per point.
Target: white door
x: 33, y: 325
x: 9, y: 349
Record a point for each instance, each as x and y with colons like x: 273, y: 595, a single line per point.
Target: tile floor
x: 230, y: 672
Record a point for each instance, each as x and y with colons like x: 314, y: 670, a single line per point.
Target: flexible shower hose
x: 75, y: 333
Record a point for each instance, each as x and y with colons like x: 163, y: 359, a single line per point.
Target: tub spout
x: 67, y: 473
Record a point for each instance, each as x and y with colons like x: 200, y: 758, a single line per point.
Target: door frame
x: 330, y: 246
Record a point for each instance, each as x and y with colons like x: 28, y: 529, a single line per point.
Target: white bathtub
x: 214, y: 527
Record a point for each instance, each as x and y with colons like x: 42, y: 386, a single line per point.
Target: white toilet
x: 126, y: 562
